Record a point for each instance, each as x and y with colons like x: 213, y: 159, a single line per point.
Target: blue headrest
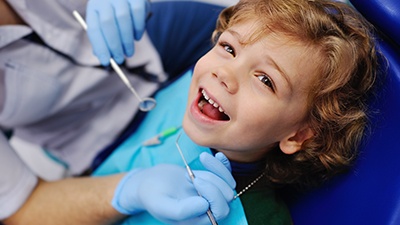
x: 370, y: 193
x: 383, y: 14
x: 181, y: 31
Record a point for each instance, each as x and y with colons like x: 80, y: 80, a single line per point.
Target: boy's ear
x: 293, y: 142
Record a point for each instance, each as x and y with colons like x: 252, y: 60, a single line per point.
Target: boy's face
x: 262, y: 89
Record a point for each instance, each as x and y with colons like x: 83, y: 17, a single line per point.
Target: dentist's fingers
x: 95, y: 34
x: 224, y: 160
x: 139, y: 10
x: 224, y: 189
x: 219, y: 205
x: 215, y: 166
x: 178, y: 209
x: 110, y: 31
x: 125, y: 26
x: 113, y: 25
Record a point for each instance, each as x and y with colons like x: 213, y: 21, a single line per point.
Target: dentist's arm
x: 70, y: 201
x: 113, y: 25
x: 165, y: 191
x: 25, y: 200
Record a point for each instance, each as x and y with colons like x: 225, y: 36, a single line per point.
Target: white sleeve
x: 16, y: 180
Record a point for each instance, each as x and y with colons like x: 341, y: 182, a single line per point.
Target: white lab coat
x: 71, y: 108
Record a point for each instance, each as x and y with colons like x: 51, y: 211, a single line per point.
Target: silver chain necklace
x: 248, y: 186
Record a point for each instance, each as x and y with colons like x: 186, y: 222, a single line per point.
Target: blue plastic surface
x: 181, y: 32
x: 370, y: 193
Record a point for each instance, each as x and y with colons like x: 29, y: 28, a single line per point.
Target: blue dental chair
x: 370, y: 192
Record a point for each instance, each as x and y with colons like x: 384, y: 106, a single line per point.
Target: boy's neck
x: 245, y: 169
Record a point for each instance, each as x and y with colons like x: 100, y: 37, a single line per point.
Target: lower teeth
x: 201, y: 104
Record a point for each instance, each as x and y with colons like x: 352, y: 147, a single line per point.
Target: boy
x: 283, y: 94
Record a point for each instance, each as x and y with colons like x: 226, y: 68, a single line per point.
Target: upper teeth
x: 212, y: 102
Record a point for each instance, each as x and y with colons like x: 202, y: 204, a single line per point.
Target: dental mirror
x: 145, y: 104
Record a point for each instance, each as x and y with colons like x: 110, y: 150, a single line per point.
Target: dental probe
x: 145, y: 104
x: 191, y: 175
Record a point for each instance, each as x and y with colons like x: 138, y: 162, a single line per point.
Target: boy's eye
x: 266, y: 80
x: 228, y: 48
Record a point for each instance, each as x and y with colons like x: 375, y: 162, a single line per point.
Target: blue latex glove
x: 113, y: 25
x: 168, y: 194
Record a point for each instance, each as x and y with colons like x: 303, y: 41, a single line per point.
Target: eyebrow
x: 238, y: 36
x: 283, y: 74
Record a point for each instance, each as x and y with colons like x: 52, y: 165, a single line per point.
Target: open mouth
x: 211, y: 108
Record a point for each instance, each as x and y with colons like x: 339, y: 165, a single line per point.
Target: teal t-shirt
x: 171, y: 105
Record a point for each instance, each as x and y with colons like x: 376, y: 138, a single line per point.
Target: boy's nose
x: 227, y: 78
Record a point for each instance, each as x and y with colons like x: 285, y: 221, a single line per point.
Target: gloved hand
x: 113, y: 25
x: 168, y: 194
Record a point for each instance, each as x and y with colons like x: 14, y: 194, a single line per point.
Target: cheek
x: 200, y: 69
x: 270, y: 119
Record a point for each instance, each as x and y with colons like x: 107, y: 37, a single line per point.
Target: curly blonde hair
x: 337, y: 103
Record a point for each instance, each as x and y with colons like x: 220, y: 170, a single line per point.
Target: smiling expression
x: 245, y: 99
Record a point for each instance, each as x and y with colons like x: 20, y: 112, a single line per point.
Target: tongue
x: 213, y: 112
